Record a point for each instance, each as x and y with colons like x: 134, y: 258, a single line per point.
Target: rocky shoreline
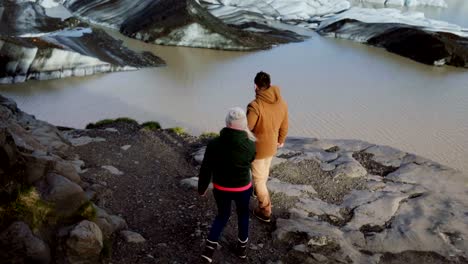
x: 105, y: 195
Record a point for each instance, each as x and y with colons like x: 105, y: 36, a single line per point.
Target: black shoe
x: 210, y: 247
x: 241, y: 248
x: 261, y: 217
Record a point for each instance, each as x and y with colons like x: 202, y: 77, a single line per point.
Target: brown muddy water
x: 335, y: 89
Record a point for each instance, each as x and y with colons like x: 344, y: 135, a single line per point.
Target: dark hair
x: 262, y: 80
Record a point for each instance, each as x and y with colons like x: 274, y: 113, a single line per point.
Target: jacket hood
x: 271, y: 95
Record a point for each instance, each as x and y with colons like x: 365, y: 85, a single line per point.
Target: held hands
x: 280, y: 145
x: 203, y: 194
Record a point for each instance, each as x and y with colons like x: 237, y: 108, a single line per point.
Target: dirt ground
x: 174, y: 219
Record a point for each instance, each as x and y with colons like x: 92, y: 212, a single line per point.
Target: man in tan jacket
x: 267, y: 117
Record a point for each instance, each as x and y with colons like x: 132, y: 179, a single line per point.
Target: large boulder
x: 19, y: 245
x: 65, y: 194
x: 84, y: 243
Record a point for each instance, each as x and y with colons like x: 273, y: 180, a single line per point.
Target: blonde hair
x: 236, y: 117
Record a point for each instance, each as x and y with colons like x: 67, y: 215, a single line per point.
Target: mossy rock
x: 87, y: 211
x: 180, y: 131
x: 151, y: 125
x: 26, y: 205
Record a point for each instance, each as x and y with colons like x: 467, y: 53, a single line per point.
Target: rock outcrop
x: 180, y: 23
x: 34, y: 46
x: 406, y: 34
x: 42, y: 196
x: 350, y: 201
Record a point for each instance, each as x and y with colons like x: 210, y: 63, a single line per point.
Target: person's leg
x: 223, y: 202
x: 242, y: 200
x: 260, y: 173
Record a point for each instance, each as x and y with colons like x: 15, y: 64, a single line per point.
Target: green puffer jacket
x: 227, y: 160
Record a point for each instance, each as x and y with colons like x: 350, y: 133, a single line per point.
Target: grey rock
x: 348, y: 145
x: 376, y: 213
x: 253, y: 247
x: 322, y: 156
x: 132, y: 237
x: 81, y: 141
x: 192, y: 183
x: 276, y: 161
x: 37, y: 166
x: 387, y: 156
x: 23, y: 139
x: 118, y: 223
x: 78, y: 164
x: 199, y: 154
x: 290, y: 190
x: 375, y: 185
x: 67, y: 169
x: 85, y: 243
x: 320, y: 241
x: 317, y: 207
x: 19, y: 245
x: 90, y: 194
x: 350, y: 169
x: 67, y: 195
x: 113, y: 170
x: 108, y: 223
x: 319, y: 257
x: 327, y: 166
x: 300, y: 248
x: 126, y: 147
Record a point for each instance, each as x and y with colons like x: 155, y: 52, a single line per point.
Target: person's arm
x: 252, y: 116
x: 204, y: 177
x: 252, y: 151
x: 283, y: 131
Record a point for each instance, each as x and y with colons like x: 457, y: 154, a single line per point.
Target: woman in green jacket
x: 227, y: 164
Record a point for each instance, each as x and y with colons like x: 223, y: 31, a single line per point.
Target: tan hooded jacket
x: 267, y: 118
